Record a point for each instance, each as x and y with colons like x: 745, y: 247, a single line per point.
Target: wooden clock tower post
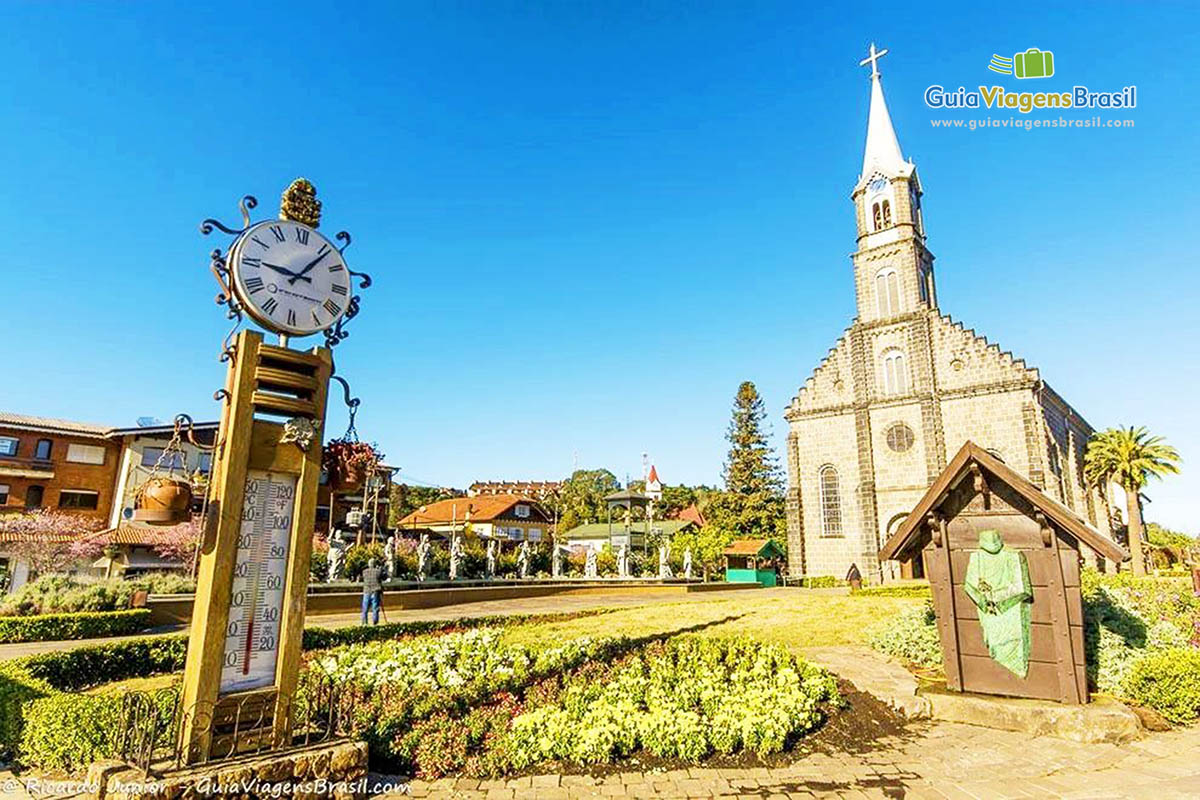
x: 243, y: 658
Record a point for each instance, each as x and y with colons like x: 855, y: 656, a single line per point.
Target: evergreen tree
x: 751, y: 467
x: 752, y: 505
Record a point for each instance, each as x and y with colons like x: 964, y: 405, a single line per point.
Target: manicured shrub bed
x: 1141, y: 639
x: 78, y: 625
x: 64, y: 674
x: 58, y: 594
x: 915, y: 590
x: 467, y: 703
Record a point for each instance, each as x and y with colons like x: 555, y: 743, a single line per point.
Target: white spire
x: 883, y: 149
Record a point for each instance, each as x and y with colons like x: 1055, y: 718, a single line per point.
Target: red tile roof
x: 692, y: 514
x: 484, y: 508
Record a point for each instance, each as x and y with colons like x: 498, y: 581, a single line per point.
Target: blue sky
x: 587, y: 223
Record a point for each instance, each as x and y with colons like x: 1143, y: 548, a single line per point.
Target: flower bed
x: 470, y: 704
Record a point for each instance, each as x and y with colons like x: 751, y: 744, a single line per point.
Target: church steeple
x: 883, y: 148
x: 893, y: 269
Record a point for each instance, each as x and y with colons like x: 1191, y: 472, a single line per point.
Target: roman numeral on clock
x: 336, y: 267
x: 316, y: 319
x: 260, y: 243
x: 251, y: 262
x: 302, y: 235
x: 254, y: 284
x: 333, y: 308
x: 338, y: 289
x: 269, y: 305
x: 278, y: 231
x: 291, y: 317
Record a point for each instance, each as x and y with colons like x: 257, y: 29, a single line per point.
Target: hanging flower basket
x: 348, y: 463
x: 163, y: 501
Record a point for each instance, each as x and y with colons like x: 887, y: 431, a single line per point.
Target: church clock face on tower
x: 290, y: 278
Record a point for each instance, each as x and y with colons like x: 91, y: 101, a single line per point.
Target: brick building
x: 905, y: 386
x: 52, y: 463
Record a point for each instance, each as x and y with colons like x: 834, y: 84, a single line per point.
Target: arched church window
x: 895, y: 373
x: 887, y: 292
x: 831, y: 502
x: 887, y: 214
x: 876, y: 217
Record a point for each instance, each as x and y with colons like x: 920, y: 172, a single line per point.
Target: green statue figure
x: 998, y: 584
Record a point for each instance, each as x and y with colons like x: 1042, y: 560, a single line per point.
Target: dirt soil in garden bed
x: 854, y: 729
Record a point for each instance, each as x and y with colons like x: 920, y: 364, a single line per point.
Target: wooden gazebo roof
x: 912, y: 533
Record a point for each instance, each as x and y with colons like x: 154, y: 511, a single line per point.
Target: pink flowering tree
x: 46, y: 537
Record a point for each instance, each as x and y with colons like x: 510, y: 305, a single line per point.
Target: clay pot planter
x: 163, y: 501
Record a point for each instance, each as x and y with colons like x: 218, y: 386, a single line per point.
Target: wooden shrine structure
x: 978, y: 492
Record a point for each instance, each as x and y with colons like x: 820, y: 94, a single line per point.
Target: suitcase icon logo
x: 1033, y: 63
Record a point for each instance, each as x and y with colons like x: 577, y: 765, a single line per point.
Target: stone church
x: 905, y: 386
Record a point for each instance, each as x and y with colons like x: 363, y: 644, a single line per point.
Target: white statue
x: 523, y: 560
x: 492, y: 545
x: 687, y: 563
x: 664, y: 569
x: 336, y: 556
x: 556, y: 560
x: 589, y: 564
x: 456, y: 553
x: 389, y: 557
x: 623, y: 562
x: 423, y: 557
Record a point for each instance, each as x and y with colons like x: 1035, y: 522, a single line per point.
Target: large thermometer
x: 259, y: 572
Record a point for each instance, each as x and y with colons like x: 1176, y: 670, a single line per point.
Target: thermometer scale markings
x: 252, y: 640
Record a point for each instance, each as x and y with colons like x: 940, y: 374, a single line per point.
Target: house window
x: 41, y: 452
x: 876, y: 217
x: 895, y: 373
x: 831, y: 502
x: 887, y: 292
x: 522, y: 511
x: 8, y: 446
x: 85, y: 454
x: 151, y: 455
x: 887, y: 214
x: 34, y: 495
x: 78, y: 498
x: 3, y: 494
x: 900, y: 438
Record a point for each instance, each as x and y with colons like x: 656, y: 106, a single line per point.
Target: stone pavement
x: 938, y: 761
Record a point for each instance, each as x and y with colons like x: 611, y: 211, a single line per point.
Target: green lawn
x: 797, y: 619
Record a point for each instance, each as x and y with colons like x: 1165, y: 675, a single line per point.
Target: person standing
x: 372, y: 596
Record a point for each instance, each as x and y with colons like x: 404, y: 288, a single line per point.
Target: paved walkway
x: 938, y: 761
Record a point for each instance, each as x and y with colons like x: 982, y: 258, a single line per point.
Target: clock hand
x: 308, y: 267
x: 292, y: 276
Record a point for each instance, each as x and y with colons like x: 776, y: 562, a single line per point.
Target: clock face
x: 878, y: 185
x: 290, y: 278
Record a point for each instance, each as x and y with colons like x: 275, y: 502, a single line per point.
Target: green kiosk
x: 753, y: 561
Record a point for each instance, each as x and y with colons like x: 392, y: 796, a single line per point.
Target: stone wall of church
x: 995, y: 421
x: 821, y: 441
x: 899, y: 475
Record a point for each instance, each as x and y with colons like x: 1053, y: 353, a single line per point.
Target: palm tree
x: 1129, y: 457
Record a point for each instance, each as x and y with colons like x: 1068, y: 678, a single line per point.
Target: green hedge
x: 822, y: 582
x: 78, y: 625
x: 61, y: 675
x: 1169, y: 682
x: 920, y: 591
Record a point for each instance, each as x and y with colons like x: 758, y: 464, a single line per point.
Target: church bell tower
x: 893, y: 270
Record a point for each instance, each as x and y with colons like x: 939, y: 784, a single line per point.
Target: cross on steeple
x: 872, y: 59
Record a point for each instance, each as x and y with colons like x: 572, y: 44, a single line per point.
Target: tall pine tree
x: 751, y: 466
x: 752, y: 505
